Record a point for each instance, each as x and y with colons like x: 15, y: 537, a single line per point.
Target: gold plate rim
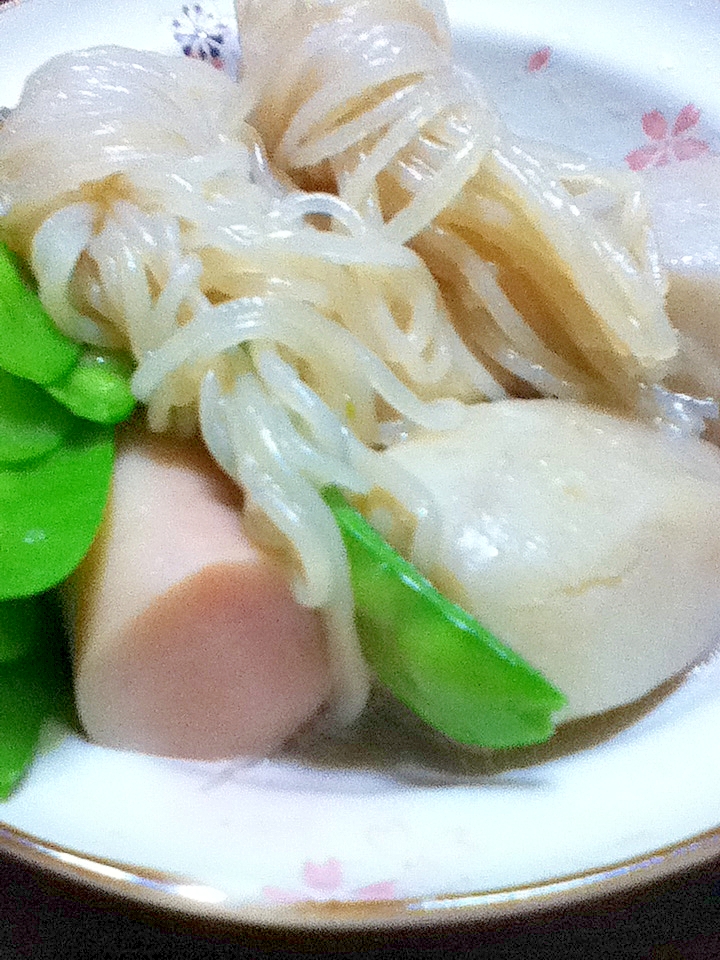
x: 178, y: 895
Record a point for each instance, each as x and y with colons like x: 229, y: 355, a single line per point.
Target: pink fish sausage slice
x: 188, y: 642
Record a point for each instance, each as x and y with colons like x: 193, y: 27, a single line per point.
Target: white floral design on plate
x: 201, y: 34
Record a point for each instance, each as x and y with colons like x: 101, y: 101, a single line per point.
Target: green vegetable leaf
x: 96, y: 388
x: 32, y: 424
x: 435, y: 657
x: 50, y: 510
x: 31, y: 346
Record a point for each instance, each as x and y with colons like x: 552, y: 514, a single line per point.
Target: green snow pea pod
x: 96, y: 388
x: 435, y: 657
x: 22, y: 624
x: 24, y: 705
x: 31, y: 422
x: 31, y: 346
x: 50, y: 510
x: 32, y: 689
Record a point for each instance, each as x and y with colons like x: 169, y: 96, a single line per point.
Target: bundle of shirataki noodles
x: 547, y: 293
x: 385, y: 316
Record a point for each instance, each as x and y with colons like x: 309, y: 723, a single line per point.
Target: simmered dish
x: 320, y: 378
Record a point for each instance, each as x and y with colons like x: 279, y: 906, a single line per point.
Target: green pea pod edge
x: 97, y: 388
x: 32, y: 424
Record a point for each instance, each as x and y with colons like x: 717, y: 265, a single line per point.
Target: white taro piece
x: 588, y: 543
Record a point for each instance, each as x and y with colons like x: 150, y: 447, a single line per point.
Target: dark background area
x: 43, y: 918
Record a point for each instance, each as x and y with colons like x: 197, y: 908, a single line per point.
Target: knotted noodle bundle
x: 550, y: 272
x: 153, y: 223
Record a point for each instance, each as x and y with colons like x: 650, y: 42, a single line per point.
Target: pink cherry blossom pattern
x: 385, y: 890
x: 668, y: 144
x: 323, y: 876
x: 539, y: 60
x: 325, y: 882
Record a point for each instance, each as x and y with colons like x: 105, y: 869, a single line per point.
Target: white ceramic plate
x: 386, y: 840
